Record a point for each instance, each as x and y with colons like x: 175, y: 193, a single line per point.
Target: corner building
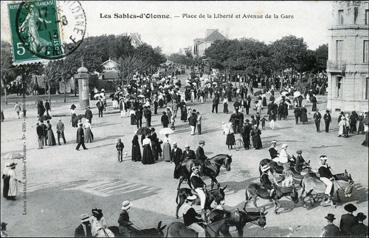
x: 348, y: 64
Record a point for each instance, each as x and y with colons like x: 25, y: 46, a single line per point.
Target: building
x: 347, y: 66
x: 200, y: 45
x: 110, y: 70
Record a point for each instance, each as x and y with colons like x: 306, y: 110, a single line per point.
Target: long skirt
x: 50, y: 138
x: 256, y: 142
x: 184, y: 114
x: 166, y: 152
x: 88, y: 135
x: 6, y: 179
x: 304, y: 117
x: 225, y: 107
x: 147, y: 157
x: 74, y: 120
x: 230, y: 139
x: 136, y: 153
x: 133, y: 119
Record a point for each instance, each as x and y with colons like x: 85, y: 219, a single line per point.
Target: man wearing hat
x: 327, y: 120
x: 360, y: 229
x: 84, y: 229
x: 80, y: 137
x: 13, y: 181
x: 326, y: 177
x: 330, y: 230
x: 199, y: 186
x: 88, y: 114
x: 123, y: 221
x: 264, y: 179
x: 317, y: 117
x: 176, y: 157
x: 348, y: 220
x: 60, y: 131
x: 190, y: 217
x: 273, y: 151
x: 188, y: 154
x: 245, y: 133
x: 300, y: 161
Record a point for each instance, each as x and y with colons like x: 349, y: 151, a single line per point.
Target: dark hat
x: 350, y: 207
x: 299, y: 152
x: 330, y: 217
x: 360, y: 216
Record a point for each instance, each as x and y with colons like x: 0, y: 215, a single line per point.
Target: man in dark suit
x: 139, y: 117
x: 317, y: 117
x: 44, y: 130
x: 327, y: 120
x: 245, y: 133
x: 176, y: 156
x: 215, y: 104
x: 360, y: 229
x: 80, y: 138
x: 330, y: 230
x: 88, y: 114
x: 348, y: 220
x: 84, y: 229
x: 200, y: 154
x: 40, y: 134
x: 188, y: 154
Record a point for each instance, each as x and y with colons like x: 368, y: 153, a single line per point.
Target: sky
x: 310, y: 20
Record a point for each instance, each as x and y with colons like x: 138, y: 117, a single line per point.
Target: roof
x: 214, y: 36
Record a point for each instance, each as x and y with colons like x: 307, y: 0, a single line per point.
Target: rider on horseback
x: 123, y: 221
x: 201, y: 157
x: 190, y: 217
x: 326, y: 177
x: 199, y: 186
x: 264, y: 179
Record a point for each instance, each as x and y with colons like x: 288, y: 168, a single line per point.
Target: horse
x: 239, y: 218
x: 216, y: 195
x: 276, y: 168
x: 211, y: 168
x: 150, y: 232
x: 313, y: 187
x: 255, y: 190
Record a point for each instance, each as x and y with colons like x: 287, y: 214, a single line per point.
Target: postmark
x: 45, y: 29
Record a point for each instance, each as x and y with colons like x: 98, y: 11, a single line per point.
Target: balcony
x: 336, y: 67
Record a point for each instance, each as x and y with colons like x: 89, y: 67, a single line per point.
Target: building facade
x: 201, y: 44
x: 348, y: 63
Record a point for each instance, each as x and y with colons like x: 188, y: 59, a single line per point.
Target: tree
x: 321, y: 55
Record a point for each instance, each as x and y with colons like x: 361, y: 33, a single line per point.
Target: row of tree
x: 254, y: 57
x: 93, y: 51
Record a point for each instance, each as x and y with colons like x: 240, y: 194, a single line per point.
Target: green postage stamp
x: 43, y: 30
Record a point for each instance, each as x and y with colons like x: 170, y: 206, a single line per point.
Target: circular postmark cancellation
x: 51, y: 29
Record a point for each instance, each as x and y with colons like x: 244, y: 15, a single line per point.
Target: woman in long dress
x: 166, y: 148
x: 304, y: 118
x: 10, y: 181
x: 136, y: 152
x: 88, y: 133
x: 74, y: 118
x: 50, y: 135
x: 343, y: 127
x: 225, y: 105
x: 183, y: 111
x: 228, y: 131
x: 147, y: 157
x: 256, y: 140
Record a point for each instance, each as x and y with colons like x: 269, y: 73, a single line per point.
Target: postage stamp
x: 45, y: 29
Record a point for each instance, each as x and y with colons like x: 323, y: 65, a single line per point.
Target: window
x: 339, y: 49
x: 338, y: 86
x: 340, y: 17
x: 366, y: 16
x: 365, y: 52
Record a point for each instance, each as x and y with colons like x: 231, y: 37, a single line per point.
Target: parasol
x: 14, y: 155
x: 296, y: 94
x: 166, y: 131
x: 143, y: 131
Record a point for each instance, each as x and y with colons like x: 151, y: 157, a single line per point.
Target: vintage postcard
x: 184, y: 118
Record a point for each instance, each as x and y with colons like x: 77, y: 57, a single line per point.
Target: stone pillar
x: 83, y: 87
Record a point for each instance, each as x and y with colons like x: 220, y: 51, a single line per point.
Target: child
x: 120, y: 147
x: 263, y: 120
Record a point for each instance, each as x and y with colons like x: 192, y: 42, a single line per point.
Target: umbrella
x: 143, y: 131
x: 166, y: 131
x: 296, y: 94
x: 14, y: 155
